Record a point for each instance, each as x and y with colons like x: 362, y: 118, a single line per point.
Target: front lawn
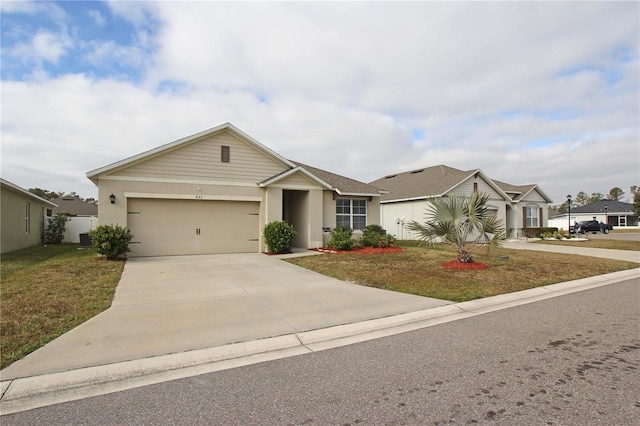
x: 418, y: 270
x: 48, y: 290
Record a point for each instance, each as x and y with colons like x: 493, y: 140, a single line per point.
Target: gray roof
x: 514, y: 191
x: 344, y: 185
x: 436, y: 181
x: 12, y: 186
x: 75, y: 206
x: 421, y: 183
x: 598, y: 207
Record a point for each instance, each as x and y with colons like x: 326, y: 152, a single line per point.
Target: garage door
x: 173, y: 227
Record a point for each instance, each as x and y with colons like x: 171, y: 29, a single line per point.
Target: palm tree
x: 462, y: 221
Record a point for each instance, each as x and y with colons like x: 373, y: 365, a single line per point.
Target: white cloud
x: 97, y: 17
x: 44, y: 46
x: 520, y: 90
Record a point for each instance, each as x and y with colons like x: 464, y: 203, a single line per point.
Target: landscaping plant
x: 455, y: 220
x: 54, y: 234
x: 111, y: 240
x: 375, y: 236
x: 341, y: 238
x: 279, y: 237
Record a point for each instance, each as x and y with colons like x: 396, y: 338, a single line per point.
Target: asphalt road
x: 568, y: 360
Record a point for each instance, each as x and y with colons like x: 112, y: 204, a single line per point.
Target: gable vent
x: 225, y: 154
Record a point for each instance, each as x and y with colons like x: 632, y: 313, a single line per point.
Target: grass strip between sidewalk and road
x: 418, y: 270
x: 48, y: 290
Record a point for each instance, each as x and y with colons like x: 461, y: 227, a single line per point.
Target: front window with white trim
x: 533, y: 219
x: 351, y: 213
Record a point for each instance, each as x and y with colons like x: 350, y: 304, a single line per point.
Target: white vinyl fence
x: 78, y: 225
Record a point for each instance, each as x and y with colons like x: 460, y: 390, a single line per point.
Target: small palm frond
x: 454, y: 219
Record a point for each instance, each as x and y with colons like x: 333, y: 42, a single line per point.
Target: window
x: 532, y: 219
x: 351, y: 213
x: 225, y: 154
x: 475, y: 186
x: 27, y: 219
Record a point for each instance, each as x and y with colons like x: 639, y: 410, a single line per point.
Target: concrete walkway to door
x: 172, y: 304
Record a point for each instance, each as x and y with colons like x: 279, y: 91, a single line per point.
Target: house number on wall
x: 198, y: 197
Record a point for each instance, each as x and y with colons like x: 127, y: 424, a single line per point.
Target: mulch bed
x: 454, y: 264
x: 364, y: 250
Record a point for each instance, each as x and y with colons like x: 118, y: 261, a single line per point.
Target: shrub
x: 375, y: 236
x: 111, y: 240
x: 279, y: 236
x: 341, y: 238
x: 54, y: 234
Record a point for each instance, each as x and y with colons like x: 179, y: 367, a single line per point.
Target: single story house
x: 616, y: 213
x: 83, y: 216
x: 213, y: 192
x: 408, y: 195
x: 23, y: 215
x: 74, y: 206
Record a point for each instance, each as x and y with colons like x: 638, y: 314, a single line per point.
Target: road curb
x: 38, y: 391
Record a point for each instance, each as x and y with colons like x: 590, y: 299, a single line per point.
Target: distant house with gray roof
x: 408, y: 194
x: 616, y: 213
x: 74, y: 206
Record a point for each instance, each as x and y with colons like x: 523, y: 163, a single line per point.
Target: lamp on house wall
x: 569, y: 206
x: 112, y: 198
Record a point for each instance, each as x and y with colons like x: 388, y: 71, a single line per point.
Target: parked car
x: 591, y: 226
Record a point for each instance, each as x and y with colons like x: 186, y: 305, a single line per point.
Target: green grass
x: 48, y: 290
x: 418, y: 270
x: 597, y: 243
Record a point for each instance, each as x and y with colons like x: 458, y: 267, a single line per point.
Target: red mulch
x: 365, y: 250
x: 454, y: 264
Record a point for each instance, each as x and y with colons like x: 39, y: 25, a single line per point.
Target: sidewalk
x: 51, y: 388
x: 573, y: 247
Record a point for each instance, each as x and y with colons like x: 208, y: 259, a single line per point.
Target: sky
x: 528, y: 92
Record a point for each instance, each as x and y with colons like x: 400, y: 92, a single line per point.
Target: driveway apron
x: 173, y: 304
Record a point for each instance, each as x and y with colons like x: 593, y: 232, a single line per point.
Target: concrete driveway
x: 166, y: 305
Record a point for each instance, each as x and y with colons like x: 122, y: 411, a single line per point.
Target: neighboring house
x: 408, y: 196
x: 22, y: 215
x: 74, y: 206
x: 615, y: 213
x: 84, y: 216
x: 213, y: 192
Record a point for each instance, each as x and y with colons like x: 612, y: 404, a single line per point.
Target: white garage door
x: 173, y: 227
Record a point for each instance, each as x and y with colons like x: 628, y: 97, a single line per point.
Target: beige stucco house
x: 23, y: 215
x: 213, y: 192
x: 408, y: 195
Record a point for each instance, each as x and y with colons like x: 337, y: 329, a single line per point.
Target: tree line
x: 615, y: 194
x: 51, y: 195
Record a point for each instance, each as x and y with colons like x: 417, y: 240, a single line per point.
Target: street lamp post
x: 606, y: 215
x: 569, y: 206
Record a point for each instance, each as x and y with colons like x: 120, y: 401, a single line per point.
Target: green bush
x: 341, y: 238
x: 279, y: 236
x: 111, y: 240
x: 375, y: 236
x: 54, y: 234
